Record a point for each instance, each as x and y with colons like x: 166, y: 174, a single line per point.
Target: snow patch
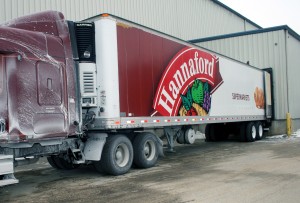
x: 294, y: 135
x: 277, y: 137
x: 297, y: 133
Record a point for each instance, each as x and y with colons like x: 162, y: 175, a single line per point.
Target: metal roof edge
x: 251, y: 32
x: 236, y: 13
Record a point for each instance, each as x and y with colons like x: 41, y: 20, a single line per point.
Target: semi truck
x: 107, y: 91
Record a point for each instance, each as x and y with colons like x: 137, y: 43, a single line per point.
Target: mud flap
x: 94, y: 145
x: 7, y: 170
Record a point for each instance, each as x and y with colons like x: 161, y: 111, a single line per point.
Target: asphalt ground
x: 231, y: 171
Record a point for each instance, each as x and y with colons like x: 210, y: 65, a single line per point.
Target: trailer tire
x: 145, y: 150
x: 250, y: 132
x: 216, y: 132
x: 242, y: 133
x: 117, y: 156
x: 259, y: 130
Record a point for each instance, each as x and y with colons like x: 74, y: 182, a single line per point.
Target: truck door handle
x: 49, y: 83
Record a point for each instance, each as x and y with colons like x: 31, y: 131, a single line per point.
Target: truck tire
x: 67, y: 165
x: 145, y: 150
x: 250, y: 132
x: 60, y: 163
x: 117, y: 156
x: 259, y: 130
x: 52, y: 162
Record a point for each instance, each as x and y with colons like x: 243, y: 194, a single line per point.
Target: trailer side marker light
x: 194, y: 119
x: 177, y: 120
x: 186, y: 119
x: 117, y: 122
x: 130, y: 122
x: 155, y: 121
x: 144, y: 121
x: 105, y: 15
x: 167, y: 121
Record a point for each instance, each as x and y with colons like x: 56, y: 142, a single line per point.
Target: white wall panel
x: 186, y: 19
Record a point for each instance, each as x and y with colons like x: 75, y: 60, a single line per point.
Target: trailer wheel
x: 242, y: 133
x: 259, y: 130
x: 217, y: 132
x: 117, y: 156
x: 145, y: 150
x: 250, y: 132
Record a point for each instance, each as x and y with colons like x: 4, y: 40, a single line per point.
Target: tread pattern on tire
x: 107, y: 163
x: 138, y: 148
x: 249, y: 137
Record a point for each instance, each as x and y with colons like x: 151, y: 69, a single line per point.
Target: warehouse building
x: 185, y: 19
x: 277, y: 47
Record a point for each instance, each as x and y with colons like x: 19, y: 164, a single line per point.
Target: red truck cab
x: 37, y: 88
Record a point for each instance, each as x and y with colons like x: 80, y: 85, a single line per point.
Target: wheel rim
x: 122, y: 155
x: 149, y: 150
x: 260, y: 131
x: 253, y: 132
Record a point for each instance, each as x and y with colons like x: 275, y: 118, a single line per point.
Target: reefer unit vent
x: 88, y: 84
x: 85, y: 35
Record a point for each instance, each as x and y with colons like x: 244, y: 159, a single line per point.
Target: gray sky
x: 269, y: 13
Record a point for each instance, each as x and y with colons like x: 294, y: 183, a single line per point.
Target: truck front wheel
x: 145, y: 150
x: 117, y: 156
x: 59, y: 163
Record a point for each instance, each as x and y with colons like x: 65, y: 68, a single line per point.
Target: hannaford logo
x: 187, y: 84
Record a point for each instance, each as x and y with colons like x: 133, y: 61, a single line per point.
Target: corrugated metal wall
x: 185, y: 19
x: 293, y: 70
x: 276, y: 49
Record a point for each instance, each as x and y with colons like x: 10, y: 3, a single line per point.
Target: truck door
x: 51, y: 116
x: 37, y: 105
